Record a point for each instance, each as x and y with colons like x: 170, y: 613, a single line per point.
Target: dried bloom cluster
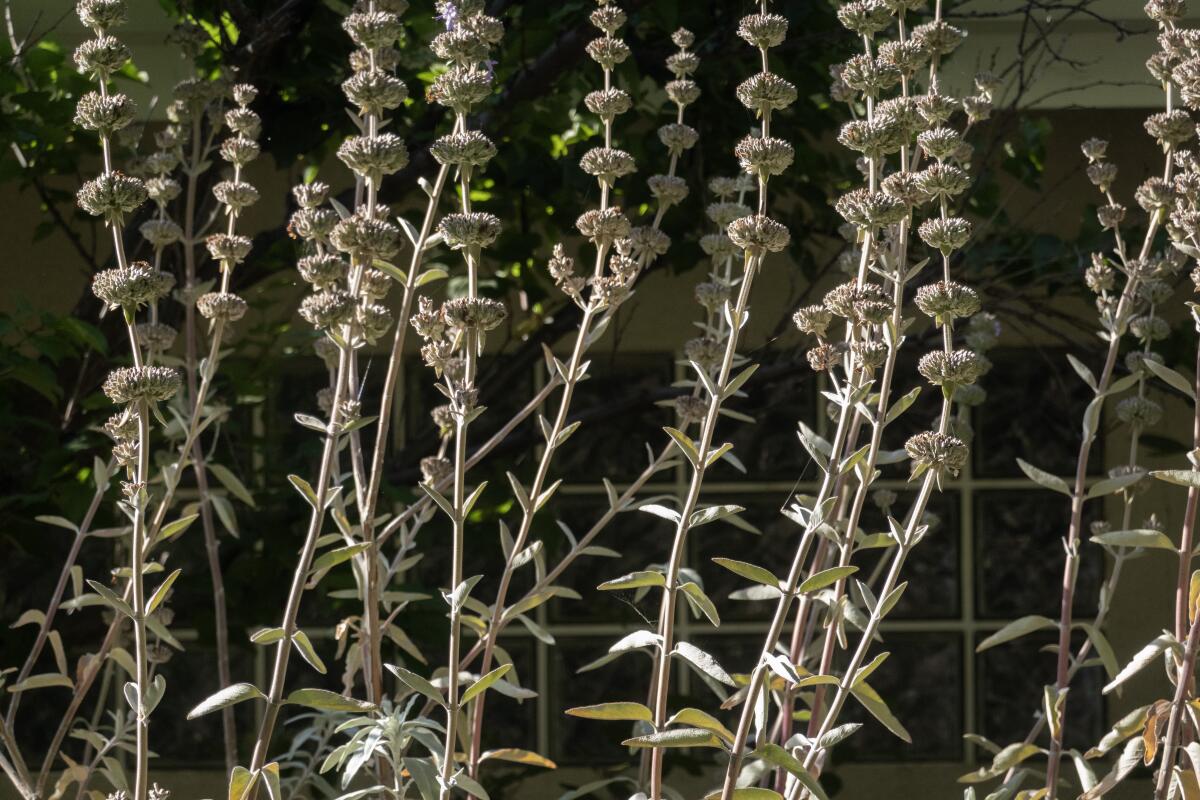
x: 857, y: 330
x: 129, y: 286
x: 1130, y: 287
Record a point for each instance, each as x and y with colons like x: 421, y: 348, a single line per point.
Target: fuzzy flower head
x: 227, y: 248
x: 946, y: 235
x: 946, y: 301
x: 104, y: 114
x: 766, y: 92
x: 111, y: 196
x: 323, y: 271
x: 763, y: 31
x: 814, y: 319
x: 471, y: 231
x: 327, y: 309
x: 668, y: 190
x: 461, y: 87
x: 470, y: 149
x: 373, y: 30
x: 607, y: 164
x: 955, y: 368
x: 132, y: 287
x: 100, y: 15
x: 101, y: 57
x: 372, y: 157
x: 935, y: 451
x: 366, y: 239
x: 605, y: 226
x: 311, y: 195
x: 235, y: 195
x: 478, y: 314
x: 147, y: 384
x: 221, y: 306
x: 374, y: 91
x: 160, y: 232
x: 758, y: 234
x: 607, y: 51
x: 764, y: 156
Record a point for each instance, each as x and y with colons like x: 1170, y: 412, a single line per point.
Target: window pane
x: 616, y: 404
x: 921, y: 682
x: 1019, y: 555
x: 587, y: 741
x: 1034, y: 410
x: 779, y: 396
x: 641, y: 538
x: 1012, y: 677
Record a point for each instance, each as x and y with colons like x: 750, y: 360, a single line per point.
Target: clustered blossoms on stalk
x: 859, y: 328
x: 139, y: 388
x: 1130, y: 288
x: 754, y: 235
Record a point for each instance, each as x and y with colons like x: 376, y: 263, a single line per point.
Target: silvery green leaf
x: 1043, y: 478
x: 634, y: 580
x: 712, y: 514
x: 1179, y: 477
x: 312, y: 423
x: 738, y: 381
x: 1171, y: 377
x: 1102, y: 647
x: 160, y: 594
x: 660, y: 511
x: 60, y: 522
x: 519, y: 492
x: 1128, y: 725
x: 623, y: 712
x: 1015, y: 630
x: 1091, y: 417
x: 230, y: 695
x: 685, y: 445
x: 749, y: 571
x: 1142, y: 658
x: 838, y: 735
x: 901, y: 405
x: 1083, y: 372
x: 702, y: 661
x: 700, y: 602
x: 1148, y: 537
x: 304, y: 488
x: 705, y: 379
x: 539, y: 633
x: 417, y: 684
x: 232, y: 483
x: 817, y: 448
x: 112, y: 598
x: 480, y: 686
x: 308, y: 652
x: 1131, y: 757
x: 875, y: 705
x: 677, y: 737
x: 865, y: 672
x: 774, y: 754
x: 825, y: 578
x: 1107, y: 486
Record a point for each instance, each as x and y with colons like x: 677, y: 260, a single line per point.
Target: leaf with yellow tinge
x: 519, y: 757
x: 271, y: 773
x: 695, y: 718
x: 748, y: 793
x: 241, y: 781
x: 480, y: 686
x: 625, y: 712
x: 679, y: 737
x: 875, y: 704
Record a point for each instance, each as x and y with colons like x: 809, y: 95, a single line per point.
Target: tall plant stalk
x: 757, y: 234
x: 634, y: 252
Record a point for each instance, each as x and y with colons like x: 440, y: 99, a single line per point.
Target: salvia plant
x: 409, y: 723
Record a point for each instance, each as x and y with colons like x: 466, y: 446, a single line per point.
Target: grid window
x: 991, y: 526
